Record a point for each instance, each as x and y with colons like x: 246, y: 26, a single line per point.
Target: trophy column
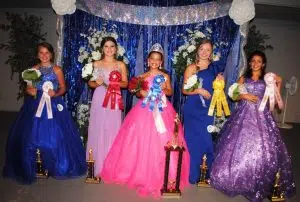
x: 90, y: 176
x: 41, y: 173
x: 203, y: 171
x: 277, y: 193
x: 170, y: 188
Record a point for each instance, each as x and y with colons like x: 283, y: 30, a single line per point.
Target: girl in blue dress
x: 51, y: 130
x: 196, y: 119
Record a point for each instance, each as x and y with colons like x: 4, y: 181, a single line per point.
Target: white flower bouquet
x: 235, y: 90
x: 31, y: 76
x: 87, y: 71
x: 192, y: 83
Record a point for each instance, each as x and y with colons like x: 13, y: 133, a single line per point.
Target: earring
x: 159, y: 67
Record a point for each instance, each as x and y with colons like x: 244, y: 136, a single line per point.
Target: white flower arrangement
x: 87, y: 71
x: 192, y: 83
x: 62, y: 7
x: 235, y: 90
x: 92, y: 51
x: 83, y: 115
x: 186, y: 53
x: 242, y: 11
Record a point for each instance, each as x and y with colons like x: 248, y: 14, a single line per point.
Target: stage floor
x: 75, y: 190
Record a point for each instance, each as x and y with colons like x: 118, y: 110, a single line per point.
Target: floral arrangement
x: 136, y: 84
x: 186, y: 53
x: 192, y: 83
x: 242, y: 11
x: 62, y: 7
x: 235, y: 90
x: 83, y: 115
x: 92, y: 52
x: 31, y: 76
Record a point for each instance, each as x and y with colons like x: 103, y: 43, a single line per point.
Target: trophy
x: 277, y: 194
x: 203, y: 171
x: 170, y: 188
x: 41, y: 173
x: 90, y: 176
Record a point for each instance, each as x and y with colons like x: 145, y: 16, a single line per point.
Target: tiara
x: 157, y: 48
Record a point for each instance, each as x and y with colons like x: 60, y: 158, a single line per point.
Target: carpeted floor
x: 75, y: 190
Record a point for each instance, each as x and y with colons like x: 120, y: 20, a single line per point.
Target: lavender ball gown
x: 250, y: 152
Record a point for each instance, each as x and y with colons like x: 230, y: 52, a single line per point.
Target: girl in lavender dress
x: 250, y: 151
x: 104, y: 123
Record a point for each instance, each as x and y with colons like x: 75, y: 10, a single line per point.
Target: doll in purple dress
x: 251, y: 151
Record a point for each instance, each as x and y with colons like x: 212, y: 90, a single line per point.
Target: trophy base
x: 276, y: 199
x: 41, y: 176
x: 203, y: 184
x: 95, y: 180
x: 171, y: 194
x: 284, y: 125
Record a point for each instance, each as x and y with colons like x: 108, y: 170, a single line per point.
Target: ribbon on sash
x: 45, y: 100
x: 113, y: 92
x: 157, y: 101
x: 271, y: 93
x: 218, y: 99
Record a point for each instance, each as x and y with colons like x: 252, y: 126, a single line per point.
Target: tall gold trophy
x: 41, y: 173
x: 90, y: 176
x: 277, y: 193
x: 170, y: 188
x: 203, y: 171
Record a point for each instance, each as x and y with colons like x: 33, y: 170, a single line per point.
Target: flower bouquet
x: 136, y: 84
x: 31, y: 76
x: 87, y: 71
x: 235, y: 90
x: 193, y: 83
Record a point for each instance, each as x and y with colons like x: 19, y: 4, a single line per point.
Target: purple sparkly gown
x: 250, y: 152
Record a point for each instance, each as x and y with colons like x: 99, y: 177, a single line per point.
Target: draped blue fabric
x: 132, y: 37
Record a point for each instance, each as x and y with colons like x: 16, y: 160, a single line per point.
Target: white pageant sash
x: 158, y: 120
x: 45, y: 100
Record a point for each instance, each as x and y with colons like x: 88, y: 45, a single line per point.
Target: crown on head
x: 157, y: 48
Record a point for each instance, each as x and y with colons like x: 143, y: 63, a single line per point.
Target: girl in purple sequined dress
x: 250, y: 150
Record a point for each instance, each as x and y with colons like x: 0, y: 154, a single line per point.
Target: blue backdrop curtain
x: 138, y: 37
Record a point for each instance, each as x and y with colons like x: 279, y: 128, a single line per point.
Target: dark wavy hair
x: 49, y: 47
x: 248, y: 72
x: 104, y: 40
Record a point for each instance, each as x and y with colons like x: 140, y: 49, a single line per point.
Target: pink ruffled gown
x: 137, y: 157
x: 104, y: 123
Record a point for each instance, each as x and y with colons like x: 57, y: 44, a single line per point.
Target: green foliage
x: 256, y: 41
x: 24, y: 35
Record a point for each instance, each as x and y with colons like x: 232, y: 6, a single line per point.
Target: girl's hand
x: 203, y: 92
x: 143, y: 93
x: 250, y: 97
x: 99, y: 81
x: 51, y: 93
x: 163, y: 86
x: 31, y: 90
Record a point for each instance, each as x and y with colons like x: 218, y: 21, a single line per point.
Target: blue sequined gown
x: 196, y: 120
x: 58, y: 139
x: 250, y: 151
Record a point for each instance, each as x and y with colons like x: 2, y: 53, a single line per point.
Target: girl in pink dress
x: 104, y: 123
x: 137, y: 157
